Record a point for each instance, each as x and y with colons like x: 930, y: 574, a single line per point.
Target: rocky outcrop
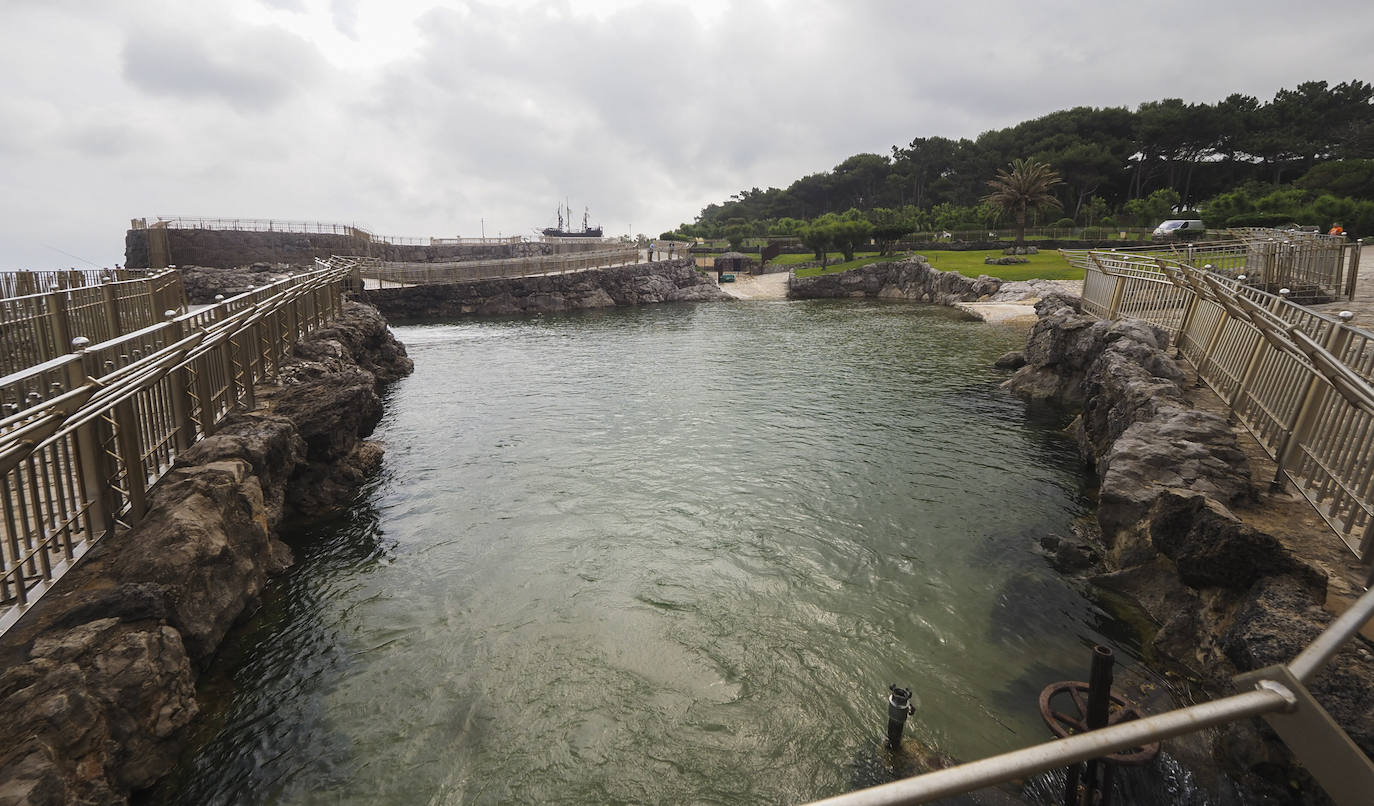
x: 99, y: 678
x: 645, y: 283
x: 911, y: 279
x: 1228, y: 598
x: 204, y: 283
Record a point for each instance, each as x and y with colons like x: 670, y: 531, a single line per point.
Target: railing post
x: 111, y: 305
x: 1306, y: 415
x: 61, y: 322
x: 94, y: 466
x: 183, y: 433
x: 131, y: 455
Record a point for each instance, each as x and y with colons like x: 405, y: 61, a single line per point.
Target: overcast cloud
x: 429, y: 117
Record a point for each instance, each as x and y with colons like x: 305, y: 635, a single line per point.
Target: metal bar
x: 1324, y: 648
x: 1051, y: 755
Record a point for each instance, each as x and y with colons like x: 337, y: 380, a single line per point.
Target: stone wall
x: 1180, y: 528
x: 98, y: 682
x: 230, y: 248
x: 911, y: 279
x: 645, y: 283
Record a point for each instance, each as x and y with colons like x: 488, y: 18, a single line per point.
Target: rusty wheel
x: 1074, y: 718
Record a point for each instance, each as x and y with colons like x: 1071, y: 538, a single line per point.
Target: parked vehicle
x: 1179, y: 229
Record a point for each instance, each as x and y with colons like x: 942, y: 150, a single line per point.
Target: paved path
x: 757, y: 286
x: 1363, y: 303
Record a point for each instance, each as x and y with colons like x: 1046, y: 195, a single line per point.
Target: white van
x: 1179, y: 229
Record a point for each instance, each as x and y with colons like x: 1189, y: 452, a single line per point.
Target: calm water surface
x: 670, y: 554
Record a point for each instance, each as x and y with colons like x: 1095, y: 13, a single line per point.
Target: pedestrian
x: 1336, y: 229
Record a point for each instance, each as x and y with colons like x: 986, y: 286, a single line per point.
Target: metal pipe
x: 1324, y: 648
x: 1099, y: 705
x: 1051, y: 755
x: 898, y: 709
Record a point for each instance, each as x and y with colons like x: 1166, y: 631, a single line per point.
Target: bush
x: 1260, y: 220
x: 1064, y: 223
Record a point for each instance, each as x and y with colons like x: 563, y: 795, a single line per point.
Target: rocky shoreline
x: 1182, y: 532
x: 640, y: 284
x: 98, y: 685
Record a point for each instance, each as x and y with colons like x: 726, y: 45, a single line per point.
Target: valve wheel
x: 1074, y: 720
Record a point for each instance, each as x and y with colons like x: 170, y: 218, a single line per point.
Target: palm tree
x: 1026, y: 186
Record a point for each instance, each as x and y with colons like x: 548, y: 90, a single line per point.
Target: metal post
x: 899, y: 707
x: 183, y: 433
x: 1305, y: 417
x: 1099, y: 705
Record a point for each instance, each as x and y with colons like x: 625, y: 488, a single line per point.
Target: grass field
x: 1044, y: 266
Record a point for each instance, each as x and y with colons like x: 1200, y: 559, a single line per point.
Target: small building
x: 736, y: 263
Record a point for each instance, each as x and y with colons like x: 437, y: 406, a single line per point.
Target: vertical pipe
x: 898, y: 709
x: 1099, y: 704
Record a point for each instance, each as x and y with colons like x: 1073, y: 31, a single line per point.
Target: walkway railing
x: 1278, y: 694
x: 307, y: 227
x: 1302, y: 382
x: 22, y: 283
x: 403, y: 274
x: 40, y: 326
x: 84, y: 436
x: 1309, y: 264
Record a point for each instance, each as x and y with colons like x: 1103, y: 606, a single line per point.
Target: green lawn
x: 1044, y: 266
x: 1047, y: 265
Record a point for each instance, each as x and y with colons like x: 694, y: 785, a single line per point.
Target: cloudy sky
x: 441, y: 117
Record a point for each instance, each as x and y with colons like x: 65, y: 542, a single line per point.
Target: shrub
x: 1064, y: 223
x: 1259, y: 220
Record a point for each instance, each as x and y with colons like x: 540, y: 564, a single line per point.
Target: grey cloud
x: 251, y: 69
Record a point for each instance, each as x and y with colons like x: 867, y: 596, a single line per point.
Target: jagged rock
x: 912, y: 279
x: 1212, y: 548
x: 1279, y: 618
x: 645, y: 283
x: 203, y: 283
x: 269, y: 443
x: 1012, y: 360
x: 1004, y: 261
x: 98, y: 680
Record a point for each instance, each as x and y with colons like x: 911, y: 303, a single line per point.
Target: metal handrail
x: 1272, y: 695
x: 90, y: 432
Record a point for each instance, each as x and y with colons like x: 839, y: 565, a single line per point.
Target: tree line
x: 1306, y: 155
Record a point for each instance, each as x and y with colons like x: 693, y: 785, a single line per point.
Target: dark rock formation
x: 645, y: 283
x: 1228, y: 598
x: 98, y: 680
x: 203, y: 283
x: 912, y: 279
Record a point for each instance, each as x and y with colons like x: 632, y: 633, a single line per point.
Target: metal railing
x: 1302, y: 382
x: 405, y: 274
x: 84, y: 436
x: 22, y: 283
x: 1277, y: 693
x: 37, y: 327
x: 1308, y: 264
x: 310, y: 228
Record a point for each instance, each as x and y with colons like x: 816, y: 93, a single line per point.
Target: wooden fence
x: 1302, y: 382
x: 85, y: 435
x: 40, y: 326
x: 467, y: 271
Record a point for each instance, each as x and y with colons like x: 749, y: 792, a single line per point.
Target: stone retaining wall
x: 98, y: 680
x: 230, y: 248
x: 645, y: 283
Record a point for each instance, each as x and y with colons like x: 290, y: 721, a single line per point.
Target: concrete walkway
x: 1363, y: 303
x: 757, y: 286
